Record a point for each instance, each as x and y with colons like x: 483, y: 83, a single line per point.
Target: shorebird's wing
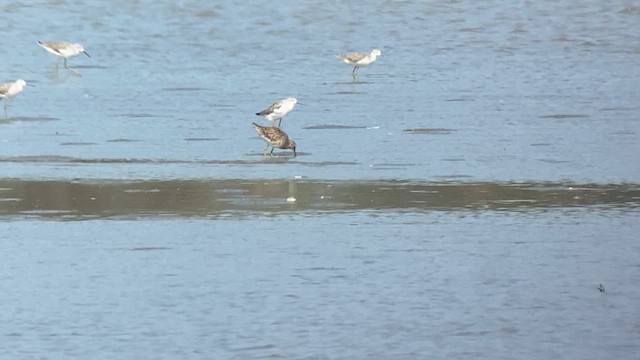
x: 4, y: 88
x: 352, y: 56
x: 274, y: 135
x: 274, y: 107
x: 55, y: 46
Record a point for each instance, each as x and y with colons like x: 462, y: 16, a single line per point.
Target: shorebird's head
x: 375, y: 53
x: 80, y: 49
x: 292, y: 146
x: 17, y: 86
x: 291, y: 100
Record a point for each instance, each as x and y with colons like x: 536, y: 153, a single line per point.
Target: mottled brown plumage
x: 275, y: 137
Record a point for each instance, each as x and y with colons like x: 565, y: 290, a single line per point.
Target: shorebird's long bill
x: 86, y: 53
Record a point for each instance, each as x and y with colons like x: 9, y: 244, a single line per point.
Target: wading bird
x: 10, y: 89
x: 275, y: 137
x: 359, y: 59
x: 278, y: 110
x: 63, y: 49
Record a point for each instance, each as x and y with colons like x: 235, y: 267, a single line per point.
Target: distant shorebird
x: 278, y: 110
x: 10, y: 89
x: 358, y: 59
x: 600, y: 288
x: 63, y: 49
x: 275, y: 137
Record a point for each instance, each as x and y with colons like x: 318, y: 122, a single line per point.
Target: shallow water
x: 534, y: 92
x: 462, y: 199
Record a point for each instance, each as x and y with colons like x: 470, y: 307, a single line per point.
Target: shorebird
x: 358, y: 59
x: 63, y: 49
x: 275, y: 137
x: 278, y: 110
x: 600, y: 288
x: 10, y: 89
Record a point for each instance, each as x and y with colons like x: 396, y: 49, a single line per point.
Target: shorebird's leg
x: 56, y: 68
x: 75, y: 72
x: 354, y: 73
x: 264, y: 151
x: 5, y: 108
x: 279, y: 122
x: 272, y: 148
x: 70, y: 69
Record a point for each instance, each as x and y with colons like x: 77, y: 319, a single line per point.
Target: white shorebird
x: 10, y: 89
x: 63, y: 49
x: 278, y: 110
x: 359, y: 59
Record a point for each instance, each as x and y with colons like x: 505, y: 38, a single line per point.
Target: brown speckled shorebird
x: 359, y: 59
x: 275, y: 137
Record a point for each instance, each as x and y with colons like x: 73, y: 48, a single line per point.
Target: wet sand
x: 68, y: 200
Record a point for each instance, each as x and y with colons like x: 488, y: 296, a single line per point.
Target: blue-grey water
x: 462, y: 199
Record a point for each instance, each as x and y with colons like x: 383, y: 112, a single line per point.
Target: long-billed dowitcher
x: 275, y: 137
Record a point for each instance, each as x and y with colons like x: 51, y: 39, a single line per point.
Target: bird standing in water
x: 63, y: 49
x: 359, y: 59
x: 9, y: 90
x: 278, y: 110
x: 275, y: 137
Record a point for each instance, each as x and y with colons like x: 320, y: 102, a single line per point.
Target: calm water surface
x: 462, y: 199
